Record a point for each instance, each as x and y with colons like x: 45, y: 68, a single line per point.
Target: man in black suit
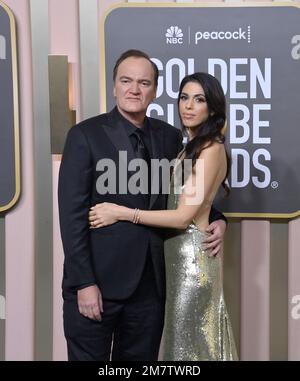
x: 114, y: 277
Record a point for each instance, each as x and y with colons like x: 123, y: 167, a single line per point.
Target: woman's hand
x: 104, y: 214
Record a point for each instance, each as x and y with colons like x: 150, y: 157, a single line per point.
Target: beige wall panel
x: 294, y: 291
x: 255, y: 293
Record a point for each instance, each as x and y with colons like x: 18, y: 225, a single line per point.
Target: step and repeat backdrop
x: 258, y: 68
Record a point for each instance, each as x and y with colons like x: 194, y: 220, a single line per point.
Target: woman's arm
x: 198, y: 194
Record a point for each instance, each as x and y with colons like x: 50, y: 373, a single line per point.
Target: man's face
x: 134, y: 87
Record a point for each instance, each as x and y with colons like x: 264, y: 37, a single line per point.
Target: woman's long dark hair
x: 209, y: 131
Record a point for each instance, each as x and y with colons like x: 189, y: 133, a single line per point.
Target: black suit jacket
x: 112, y: 257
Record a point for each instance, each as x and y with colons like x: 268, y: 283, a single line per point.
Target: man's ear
x: 154, y: 95
x: 114, y: 91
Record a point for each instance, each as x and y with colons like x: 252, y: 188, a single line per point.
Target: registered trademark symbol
x: 274, y: 184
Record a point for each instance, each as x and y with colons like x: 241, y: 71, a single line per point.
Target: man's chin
x: 134, y: 110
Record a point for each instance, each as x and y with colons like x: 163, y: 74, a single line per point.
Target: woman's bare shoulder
x: 215, y: 148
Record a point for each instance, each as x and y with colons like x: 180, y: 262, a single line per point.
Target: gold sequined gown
x: 197, y: 325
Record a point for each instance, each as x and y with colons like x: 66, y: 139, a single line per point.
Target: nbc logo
x: 174, y: 35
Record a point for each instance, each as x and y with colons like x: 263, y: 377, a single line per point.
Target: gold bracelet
x: 138, y: 218
x: 134, y: 215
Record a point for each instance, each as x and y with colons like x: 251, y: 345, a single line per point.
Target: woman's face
x: 193, y: 107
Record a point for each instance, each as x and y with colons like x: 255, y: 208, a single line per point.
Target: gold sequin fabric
x: 197, y: 325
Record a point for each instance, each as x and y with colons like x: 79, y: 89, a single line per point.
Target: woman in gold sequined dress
x: 197, y: 325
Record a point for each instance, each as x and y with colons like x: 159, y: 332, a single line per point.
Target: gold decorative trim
x: 263, y: 215
x: 16, y: 108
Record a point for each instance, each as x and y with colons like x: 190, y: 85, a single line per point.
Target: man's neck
x: 137, y: 119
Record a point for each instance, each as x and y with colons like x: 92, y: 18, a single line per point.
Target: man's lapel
x: 157, y: 153
x: 118, y: 136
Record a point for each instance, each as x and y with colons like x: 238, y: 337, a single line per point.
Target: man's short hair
x: 137, y: 54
